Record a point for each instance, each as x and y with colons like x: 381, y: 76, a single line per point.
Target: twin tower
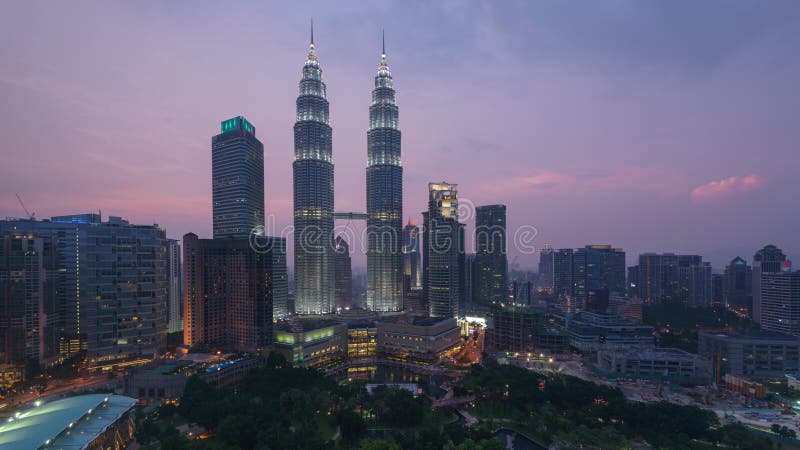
x: 314, y: 201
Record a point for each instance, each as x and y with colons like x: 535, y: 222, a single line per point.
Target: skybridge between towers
x: 349, y: 216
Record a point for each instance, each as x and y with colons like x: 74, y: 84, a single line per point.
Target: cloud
x: 716, y: 188
x: 581, y: 181
x: 543, y: 180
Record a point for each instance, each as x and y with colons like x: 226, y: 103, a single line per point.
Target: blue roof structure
x: 69, y: 423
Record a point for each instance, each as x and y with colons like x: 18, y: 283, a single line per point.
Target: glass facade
x: 175, y: 275
x: 491, y: 264
x: 384, y: 198
x: 443, y: 251
x: 314, y: 286
x: 237, y: 171
x: 28, y: 307
x: 228, y: 294
x: 344, y: 274
x: 112, y: 285
x: 411, y: 266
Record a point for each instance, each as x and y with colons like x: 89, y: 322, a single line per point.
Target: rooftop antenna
x: 21, y: 203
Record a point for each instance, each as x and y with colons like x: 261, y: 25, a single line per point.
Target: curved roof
x: 69, y: 423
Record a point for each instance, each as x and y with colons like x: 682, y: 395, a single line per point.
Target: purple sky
x: 653, y: 126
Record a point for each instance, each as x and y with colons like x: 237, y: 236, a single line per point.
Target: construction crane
x: 28, y: 213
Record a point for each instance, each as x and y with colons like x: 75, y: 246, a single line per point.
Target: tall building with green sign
x: 237, y: 170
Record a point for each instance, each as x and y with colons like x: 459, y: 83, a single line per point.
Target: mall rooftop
x: 69, y: 423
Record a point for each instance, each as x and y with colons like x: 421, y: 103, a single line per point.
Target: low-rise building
x: 157, y: 382
x: 361, y: 332
x: 362, y: 341
x: 668, y: 364
x: 591, y: 332
x: 741, y: 385
x: 751, y: 353
x: 518, y: 329
x: 164, y: 380
x: 421, y: 340
x: 312, y: 342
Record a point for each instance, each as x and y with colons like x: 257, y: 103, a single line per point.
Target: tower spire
x: 384, y: 67
x: 312, y: 56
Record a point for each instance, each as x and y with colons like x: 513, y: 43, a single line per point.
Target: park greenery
x: 281, y: 407
x: 573, y: 413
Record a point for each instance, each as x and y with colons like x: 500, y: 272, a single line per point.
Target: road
x: 57, y: 388
x: 472, y: 351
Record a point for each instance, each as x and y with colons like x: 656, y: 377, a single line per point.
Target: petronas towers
x: 384, y: 197
x: 313, y: 196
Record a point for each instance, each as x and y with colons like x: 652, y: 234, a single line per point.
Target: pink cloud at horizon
x: 663, y: 180
x: 725, y: 186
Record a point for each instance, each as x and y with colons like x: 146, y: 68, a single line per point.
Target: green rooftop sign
x: 238, y: 123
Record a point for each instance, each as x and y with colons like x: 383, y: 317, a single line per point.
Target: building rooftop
x: 416, y: 321
x: 752, y: 334
x: 302, y: 325
x: 69, y: 423
x: 654, y: 352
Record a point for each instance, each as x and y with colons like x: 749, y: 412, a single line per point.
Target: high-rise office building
x: 685, y: 264
x: 470, y: 277
x: 563, y: 260
x: 694, y: 281
x: 29, y: 310
x: 444, y: 250
x: 667, y: 277
x: 314, y: 286
x: 780, y: 302
x: 698, y: 279
x: 112, y: 285
x: 598, y: 267
x: 384, y: 197
x: 175, y: 287
x: 545, y: 280
x: 411, y: 264
x: 769, y: 259
x: 237, y: 172
x: 343, y: 273
x: 461, y: 259
x: 522, y: 292
x: 280, y: 278
x: 717, y: 289
x: 737, y: 285
x: 658, y: 278
x: 491, y: 264
x: 228, y: 294
x: 632, y: 283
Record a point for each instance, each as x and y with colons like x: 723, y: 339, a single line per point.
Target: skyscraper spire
x: 312, y: 56
x: 384, y: 67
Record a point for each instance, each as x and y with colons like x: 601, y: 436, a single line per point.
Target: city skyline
x: 650, y: 178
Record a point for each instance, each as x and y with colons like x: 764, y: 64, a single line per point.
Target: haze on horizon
x: 652, y: 126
